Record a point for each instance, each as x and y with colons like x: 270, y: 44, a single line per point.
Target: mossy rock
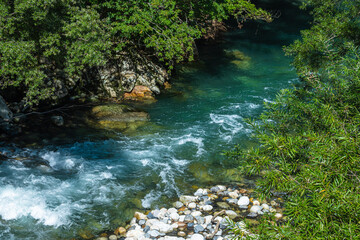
x: 117, y: 117
x: 104, y: 111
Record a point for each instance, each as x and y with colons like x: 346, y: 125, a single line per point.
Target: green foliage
x: 169, y: 28
x: 41, y: 41
x: 309, y: 137
x: 45, y: 44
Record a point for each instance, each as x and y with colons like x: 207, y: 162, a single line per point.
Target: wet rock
x: 57, y: 120
x: 116, y: 116
x: 244, y: 200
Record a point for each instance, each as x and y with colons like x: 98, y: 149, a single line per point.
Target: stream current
x: 96, y: 183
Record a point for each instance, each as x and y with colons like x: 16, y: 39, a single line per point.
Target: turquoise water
x: 93, y: 185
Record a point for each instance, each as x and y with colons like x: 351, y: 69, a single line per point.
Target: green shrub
x: 309, y: 137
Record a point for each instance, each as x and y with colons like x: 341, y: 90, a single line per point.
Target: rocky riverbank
x: 203, y: 215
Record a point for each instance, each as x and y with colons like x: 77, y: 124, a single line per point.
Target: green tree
x: 44, y: 44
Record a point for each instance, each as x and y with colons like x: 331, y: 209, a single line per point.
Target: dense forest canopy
x: 309, y: 137
x: 44, y: 43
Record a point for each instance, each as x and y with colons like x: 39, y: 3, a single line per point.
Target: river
x: 96, y: 183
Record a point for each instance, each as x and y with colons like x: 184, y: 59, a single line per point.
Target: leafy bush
x: 309, y: 137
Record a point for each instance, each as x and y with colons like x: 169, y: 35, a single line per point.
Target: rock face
x: 5, y: 113
x: 122, y: 75
x: 140, y: 93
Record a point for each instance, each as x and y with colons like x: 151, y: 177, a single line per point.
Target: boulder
x: 129, y: 70
x: 117, y: 117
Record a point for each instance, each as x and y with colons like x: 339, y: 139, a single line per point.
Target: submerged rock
x: 117, y: 117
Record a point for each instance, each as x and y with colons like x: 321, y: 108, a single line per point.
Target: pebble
x: 113, y: 237
x: 192, y: 205
x: 187, y: 199
x: 278, y: 216
x: 183, y: 220
x: 255, y: 209
x: 153, y: 233
x: 197, y: 237
x: 198, y: 228
x: 215, y: 189
x: 196, y: 213
x: 252, y: 215
x: 199, y: 192
x: 231, y: 214
x: 223, y: 205
x: 188, y: 218
x: 265, y: 206
x: 178, y: 204
x: 102, y: 238
x: 207, y: 208
x: 244, y: 200
x: 233, y: 195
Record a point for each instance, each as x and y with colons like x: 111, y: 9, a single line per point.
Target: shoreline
x: 203, y: 215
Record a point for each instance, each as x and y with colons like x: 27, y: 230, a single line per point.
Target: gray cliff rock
x: 122, y: 75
